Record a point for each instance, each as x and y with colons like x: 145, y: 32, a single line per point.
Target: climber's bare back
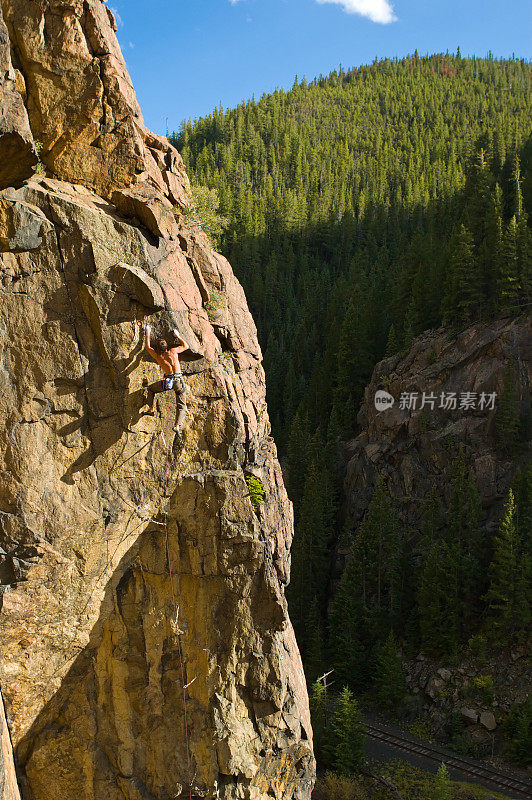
x: 169, y: 361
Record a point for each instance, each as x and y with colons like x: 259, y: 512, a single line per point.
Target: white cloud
x: 375, y: 10
x: 117, y: 16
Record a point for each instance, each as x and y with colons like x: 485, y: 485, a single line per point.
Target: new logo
x: 383, y: 400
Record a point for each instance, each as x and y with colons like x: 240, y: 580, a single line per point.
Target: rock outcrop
x: 146, y: 645
x: 412, y: 447
x: 479, y: 689
x: 17, y: 152
x: 81, y: 104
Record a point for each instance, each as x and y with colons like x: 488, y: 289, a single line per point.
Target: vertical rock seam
x: 91, y: 246
x: 8, y: 780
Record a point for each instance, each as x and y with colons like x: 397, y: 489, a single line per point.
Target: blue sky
x: 188, y: 56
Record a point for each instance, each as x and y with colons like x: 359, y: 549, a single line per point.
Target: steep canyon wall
x: 97, y: 499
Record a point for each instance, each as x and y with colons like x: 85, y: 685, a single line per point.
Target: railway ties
x: 495, y: 778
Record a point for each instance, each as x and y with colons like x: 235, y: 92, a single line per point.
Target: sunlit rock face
x: 17, y: 151
x: 131, y: 565
x: 8, y: 780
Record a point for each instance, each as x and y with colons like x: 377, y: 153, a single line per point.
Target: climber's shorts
x: 174, y: 381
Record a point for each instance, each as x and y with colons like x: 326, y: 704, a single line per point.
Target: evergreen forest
x: 359, y: 210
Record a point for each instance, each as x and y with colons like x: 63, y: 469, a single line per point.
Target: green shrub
x: 484, y: 688
x: 339, y: 787
x: 518, y: 726
x: 466, y: 746
x: 478, y: 645
x: 215, y: 305
x: 420, y: 729
x: 415, y: 784
x: 39, y: 169
x: 456, y: 727
x: 256, y: 491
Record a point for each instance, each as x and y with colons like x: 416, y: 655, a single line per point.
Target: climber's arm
x: 182, y: 345
x: 147, y: 344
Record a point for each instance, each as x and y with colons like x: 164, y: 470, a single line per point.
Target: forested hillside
x: 359, y: 201
x: 360, y: 210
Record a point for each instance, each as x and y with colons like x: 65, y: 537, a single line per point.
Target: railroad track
x: 483, y: 773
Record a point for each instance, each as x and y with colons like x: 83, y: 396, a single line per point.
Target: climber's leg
x: 180, y: 390
x: 154, y: 389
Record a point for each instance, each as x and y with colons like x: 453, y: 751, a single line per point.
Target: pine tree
x: 348, y: 652
x: 392, y: 345
x: 463, y: 293
x: 466, y: 542
x: 443, y: 789
x: 509, y: 591
x: 389, y: 674
x: 519, y: 727
x: 354, y: 359
x: 438, y: 601
x: 491, y: 253
x: 517, y: 192
x: 368, y: 600
x: 204, y: 214
x: 431, y: 519
x: 410, y: 325
x: 507, y: 415
x: 319, y: 702
x: 312, y: 534
x: 524, y: 260
x: 508, y: 285
x: 478, y: 193
x: 380, y: 551
x: 347, y: 735
x: 522, y: 484
x: 313, y: 642
x: 297, y: 458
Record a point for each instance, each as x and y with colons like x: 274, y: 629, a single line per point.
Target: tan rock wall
x: 90, y: 661
x: 8, y: 780
x: 17, y: 154
x: 104, y: 648
x: 80, y: 101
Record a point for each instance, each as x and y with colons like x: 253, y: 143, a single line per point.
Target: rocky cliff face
x: 8, y: 780
x: 411, y: 444
x: 411, y: 447
x: 131, y: 566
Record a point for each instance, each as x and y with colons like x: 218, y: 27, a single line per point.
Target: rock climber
x: 167, y: 356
